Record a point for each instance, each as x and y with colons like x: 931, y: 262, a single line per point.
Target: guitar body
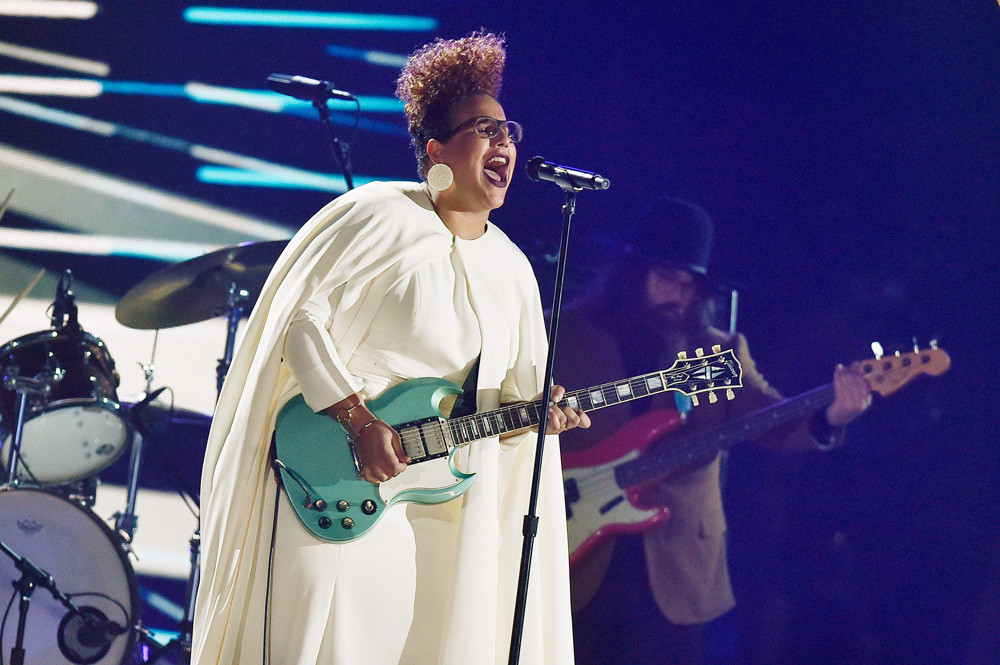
x: 319, y: 473
x: 594, y: 513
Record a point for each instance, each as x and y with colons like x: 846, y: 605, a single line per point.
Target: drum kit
x: 62, y: 425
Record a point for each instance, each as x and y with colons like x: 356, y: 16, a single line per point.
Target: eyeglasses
x: 488, y: 128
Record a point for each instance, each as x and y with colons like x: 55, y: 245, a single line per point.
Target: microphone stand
x: 341, y: 150
x: 530, y: 525
x: 31, y: 577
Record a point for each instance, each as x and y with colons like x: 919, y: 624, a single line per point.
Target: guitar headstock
x: 888, y: 374
x: 719, y: 370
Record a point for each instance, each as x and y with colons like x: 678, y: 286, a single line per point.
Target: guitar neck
x: 513, y: 417
x: 684, y: 450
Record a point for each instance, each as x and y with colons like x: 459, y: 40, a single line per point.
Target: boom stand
x: 341, y: 150
x: 31, y: 577
x: 530, y: 527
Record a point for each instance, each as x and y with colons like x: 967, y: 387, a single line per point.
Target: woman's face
x: 483, y: 167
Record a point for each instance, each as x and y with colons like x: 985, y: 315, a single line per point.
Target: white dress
x: 373, y: 291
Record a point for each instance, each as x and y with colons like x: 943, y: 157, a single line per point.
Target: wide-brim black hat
x: 673, y: 233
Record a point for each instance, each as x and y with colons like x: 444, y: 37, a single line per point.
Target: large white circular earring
x: 440, y: 177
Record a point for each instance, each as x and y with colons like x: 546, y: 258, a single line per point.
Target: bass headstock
x: 887, y: 374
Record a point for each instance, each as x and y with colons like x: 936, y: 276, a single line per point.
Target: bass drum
x: 80, y: 428
x: 86, y: 563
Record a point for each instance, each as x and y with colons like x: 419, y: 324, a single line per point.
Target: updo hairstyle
x: 442, y: 74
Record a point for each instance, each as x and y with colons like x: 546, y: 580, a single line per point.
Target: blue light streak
x: 381, y: 58
x: 311, y: 180
x: 306, y: 19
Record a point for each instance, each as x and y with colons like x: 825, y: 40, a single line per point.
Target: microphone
x: 307, y: 89
x: 64, y: 312
x: 564, y: 176
x: 86, y: 636
x: 149, y: 398
x: 147, y: 423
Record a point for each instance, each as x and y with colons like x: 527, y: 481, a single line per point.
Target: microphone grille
x: 532, y: 167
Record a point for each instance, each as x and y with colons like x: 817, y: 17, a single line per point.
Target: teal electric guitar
x: 320, y: 472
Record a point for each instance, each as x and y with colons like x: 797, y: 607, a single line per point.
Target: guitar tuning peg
x: 877, y: 350
x: 682, y: 355
x: 694, y: 400
x: 716, y: 348
x: 712, y: 399
x: 730, y: 395
x: 933, y: 343
x: 699, y: 352
x: 916, y: 347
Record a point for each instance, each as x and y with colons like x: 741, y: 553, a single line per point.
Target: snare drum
x: 79, y: 428
x: 87, y: 564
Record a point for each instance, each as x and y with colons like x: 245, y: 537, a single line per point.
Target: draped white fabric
x: 377, y: 254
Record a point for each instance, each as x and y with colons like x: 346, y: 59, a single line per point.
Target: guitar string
x: 611, y: 394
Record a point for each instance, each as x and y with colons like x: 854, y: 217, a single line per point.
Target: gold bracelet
x: 366, y: 426
x: 345, y: 418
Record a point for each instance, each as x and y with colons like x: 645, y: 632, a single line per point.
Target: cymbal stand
x: 235, y: 306
x: 38, y: 386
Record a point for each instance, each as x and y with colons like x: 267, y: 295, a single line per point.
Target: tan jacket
x: 686, y: 555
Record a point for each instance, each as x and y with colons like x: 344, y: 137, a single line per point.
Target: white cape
x: 352, y: 242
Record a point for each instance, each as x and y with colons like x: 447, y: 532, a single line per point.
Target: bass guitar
x: 319, y: 469
x: 602, y: 482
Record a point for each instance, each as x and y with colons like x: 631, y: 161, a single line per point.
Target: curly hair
x: 442, y: 74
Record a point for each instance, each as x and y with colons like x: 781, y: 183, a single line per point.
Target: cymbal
x: 198, y: 289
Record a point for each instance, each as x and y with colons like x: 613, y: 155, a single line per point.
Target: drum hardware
x: 37, y: 386
x: 126, y: 522
x: 235, y: 308
x: 74, y: 429
x: 226, y: 282
x: 43, y: 535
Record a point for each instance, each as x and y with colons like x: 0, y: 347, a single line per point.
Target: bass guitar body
x: 592, y: 512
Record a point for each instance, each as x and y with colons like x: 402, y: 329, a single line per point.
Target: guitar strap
x: 465, y: 404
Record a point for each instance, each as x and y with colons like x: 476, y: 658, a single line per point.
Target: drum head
x: 85, y: 562
x: 77, y: 428
x: 66, y: 442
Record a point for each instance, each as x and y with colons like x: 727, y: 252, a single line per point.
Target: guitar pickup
x: 425, y: 439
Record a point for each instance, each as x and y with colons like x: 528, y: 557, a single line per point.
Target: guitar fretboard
x: 466, y: 429
x: 681, y: 452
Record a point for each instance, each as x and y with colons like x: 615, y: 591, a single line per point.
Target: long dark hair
x: 619, y: 304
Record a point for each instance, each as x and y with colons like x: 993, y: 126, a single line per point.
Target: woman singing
x: 387, y: 283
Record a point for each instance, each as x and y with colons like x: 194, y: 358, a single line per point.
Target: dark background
x: 848, y: 153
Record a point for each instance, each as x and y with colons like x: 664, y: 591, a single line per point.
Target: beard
x: 670, y: 316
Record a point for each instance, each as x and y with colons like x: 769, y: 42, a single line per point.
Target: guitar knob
x: 716, y: 348
x: 319, y: 504
x: 343, y: 506
x: 347, y: 523
x: 325, y: 522
x: 712, y: 399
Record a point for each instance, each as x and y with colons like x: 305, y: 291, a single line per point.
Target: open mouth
x: 496, y: 170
